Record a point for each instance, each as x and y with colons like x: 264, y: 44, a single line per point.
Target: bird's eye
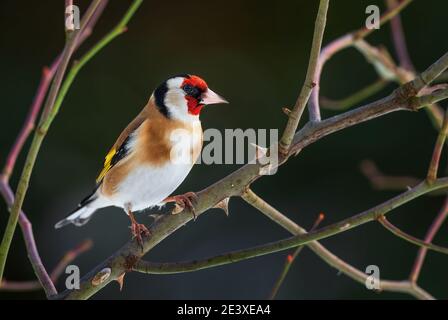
x: 191, y: 91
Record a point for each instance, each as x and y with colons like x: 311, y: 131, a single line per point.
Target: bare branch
x: 401, y: 234
x: 22, y: 188
x: 391, y: 13
x: 434, y: 165
x: 399, y: 38
x: 296, y: 113
x: 432, y: 231
x: 7, y: 285
x: 306, y: 238
x: 290, y: 260
x: 344, y: 42
x: 47, y: 117
x: 26, y: 130
x: 380, y: 181
x: 355, y: 98
x: 28, y: 126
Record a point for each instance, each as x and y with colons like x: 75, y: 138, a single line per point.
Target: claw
x: 183, y: 201
x: 137, y: 229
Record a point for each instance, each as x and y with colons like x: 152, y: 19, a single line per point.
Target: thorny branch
x: 74, y: 40
x: 70, y: 46
x: 28, y: 126
x: 237, y: 182
x: 71, y: 255
x: 290, y: 260
x: 411, y: 96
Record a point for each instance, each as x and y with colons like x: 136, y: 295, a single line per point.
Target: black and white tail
x: 79, y: 217
x: 82, y: 214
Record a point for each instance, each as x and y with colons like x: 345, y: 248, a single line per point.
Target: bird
x: 153, y: 154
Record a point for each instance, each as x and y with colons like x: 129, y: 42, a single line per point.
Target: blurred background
x: 255, y: 54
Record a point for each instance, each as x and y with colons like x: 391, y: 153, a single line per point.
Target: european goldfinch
x: 143, y: 167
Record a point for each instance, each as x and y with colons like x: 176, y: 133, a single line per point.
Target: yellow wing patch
x: 107, y: 165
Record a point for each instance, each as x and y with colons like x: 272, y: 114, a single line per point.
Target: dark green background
x: 255, y: 54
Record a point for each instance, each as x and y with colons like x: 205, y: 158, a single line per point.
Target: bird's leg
x: 183, y: 201
x: 137, y: 229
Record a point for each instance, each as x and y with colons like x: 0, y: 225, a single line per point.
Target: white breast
x: 148, y: 186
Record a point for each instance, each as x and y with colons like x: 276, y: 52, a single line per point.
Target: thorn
x: 289, y: 258
x: 259, y: 151
x: 120, y: 280
x: 286, y: 111
x: 224, y: 205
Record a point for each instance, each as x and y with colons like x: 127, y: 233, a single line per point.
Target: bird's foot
x: 182, y: 201
x: 137, y: 230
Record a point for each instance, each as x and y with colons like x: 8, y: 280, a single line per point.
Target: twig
x: 385, y: 66
x: 345, y: 42
x: 401, y: 234
x: 391, y: 13
x: 276, y: 216
x: 55, y: 274
x: 326, y: 255
x: 47, y: 76
x: 290, y: 260
x: 115, y: 32
x: 434, y: 97
x: 30, y: 243
x: 296, y: 113
x: 327, y: 52
x: 28, y: 126
x: 380, y: 181
x: 432, y: 231
x: 355, y: 98
x: 399, y: 38
x: 52, y: 106
x: 380, y: 59
x: 434, y: 165
x: 26, y: 130
x: 69, y: 48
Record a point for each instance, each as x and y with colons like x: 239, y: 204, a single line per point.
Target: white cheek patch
x: 175, y: 101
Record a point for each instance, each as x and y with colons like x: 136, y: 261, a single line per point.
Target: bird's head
x: 182, y: 97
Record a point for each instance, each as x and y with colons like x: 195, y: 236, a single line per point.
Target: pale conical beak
x: 211, y: 97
